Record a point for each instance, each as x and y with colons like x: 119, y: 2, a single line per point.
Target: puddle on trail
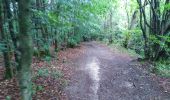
x: 93, y: 68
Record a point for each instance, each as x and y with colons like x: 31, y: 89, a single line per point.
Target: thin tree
x: 25, y: 49
x: 6, y: 51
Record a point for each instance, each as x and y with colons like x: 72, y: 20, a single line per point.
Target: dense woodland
x: 38, y: 28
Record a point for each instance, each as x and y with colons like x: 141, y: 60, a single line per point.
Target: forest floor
x: 91, y: 71
x: 50, y: 76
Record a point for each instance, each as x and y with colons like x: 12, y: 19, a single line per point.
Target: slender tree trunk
x: 56, y: 40
x: 6, y: 52
x: 11, y: 28
x: 25, y: 49
x: 143, y: 28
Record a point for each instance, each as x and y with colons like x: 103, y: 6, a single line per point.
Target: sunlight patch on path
x: 93, y: 69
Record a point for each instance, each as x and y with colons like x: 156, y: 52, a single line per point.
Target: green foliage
x: 94, y: 36
x: 47, y: 58
x: 167, y: 6
x: 162, y: 68
x: 105, y: 40
x: 43, y: 72
x: 136, y: 41
x: 162, y: 41
x: 2, y: 47
x: 81, y: 18
x: 72, y: 42
x: 8, y: 97
x: 36, y: 88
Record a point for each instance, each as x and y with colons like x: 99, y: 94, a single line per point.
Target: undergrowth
x: 162, y: 68
x: 121, y: 49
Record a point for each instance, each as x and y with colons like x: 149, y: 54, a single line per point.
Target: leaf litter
x: 49, y: 77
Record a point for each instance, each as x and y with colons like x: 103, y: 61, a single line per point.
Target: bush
x: 106, y: 41
x: 162, y: 68
x: 94, y: 36
x: 72, y: 42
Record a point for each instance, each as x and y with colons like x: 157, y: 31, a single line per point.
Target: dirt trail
x: 102, y: 74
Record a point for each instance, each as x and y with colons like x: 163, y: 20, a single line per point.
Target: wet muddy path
x: 102, y: 74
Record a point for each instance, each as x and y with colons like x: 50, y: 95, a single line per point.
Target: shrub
x: 72, y: 42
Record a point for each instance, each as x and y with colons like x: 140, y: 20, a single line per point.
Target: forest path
x: 103, y: 74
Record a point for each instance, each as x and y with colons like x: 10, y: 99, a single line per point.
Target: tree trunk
x: 25, y: 49
x: 11, y: 28
x: 143, y: 28
x: 6, y: 52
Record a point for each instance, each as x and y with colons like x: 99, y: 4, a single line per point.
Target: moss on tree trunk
x: 25, y: 49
